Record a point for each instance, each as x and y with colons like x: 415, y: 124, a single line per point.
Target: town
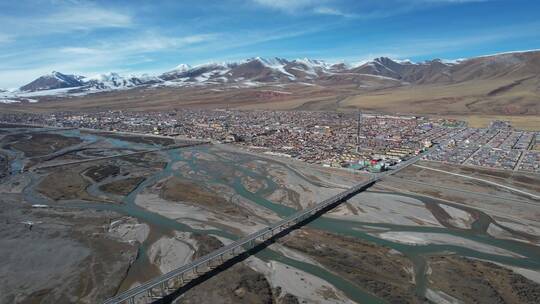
x: 360, y: 141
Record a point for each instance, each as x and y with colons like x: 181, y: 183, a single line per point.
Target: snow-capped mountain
x: 381, y: 72
x: 198, y: 73
x: 182, y: 67
x: 116, y: 81
x: 60, y: 84
x: 255, y: 69
x: 381, y: 67
x: 308, y: 68
x: 54, y: 80
x: 407, y: 71
x: 261, y: 70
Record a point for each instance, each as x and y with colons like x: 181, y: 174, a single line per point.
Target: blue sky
x: 136, y: 36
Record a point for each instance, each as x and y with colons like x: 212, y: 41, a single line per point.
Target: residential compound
x: 327, y: 138
x: 498, y: 148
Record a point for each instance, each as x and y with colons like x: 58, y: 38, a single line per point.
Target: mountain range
x: 259, y: 70
x: 507, y: 83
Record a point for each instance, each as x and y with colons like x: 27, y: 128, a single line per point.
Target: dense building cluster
x: 498, y: 147
x: 326, y: 138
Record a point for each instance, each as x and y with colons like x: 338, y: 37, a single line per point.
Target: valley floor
x: 83, y: 232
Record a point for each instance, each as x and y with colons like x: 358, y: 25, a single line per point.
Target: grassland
x: 524, y: 122
x: 476, y: 101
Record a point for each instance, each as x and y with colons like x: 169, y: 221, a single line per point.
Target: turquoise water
x: 219, y: 172
x: 416, y: 253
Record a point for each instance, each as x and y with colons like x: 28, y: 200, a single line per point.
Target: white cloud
x: 152, y: 42
x: 65, y: 20
x: 82, y: 17
x: 19, y: 68
x: 79, y: 51
x: 324, y: 10
x: 452, y: 1
x: 4, y: 38
x: 427, y: 47
x: 319, y: 7
x: 331, y: 7
x: 290, y: 6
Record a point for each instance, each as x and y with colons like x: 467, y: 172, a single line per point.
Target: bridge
x: 161, y: 286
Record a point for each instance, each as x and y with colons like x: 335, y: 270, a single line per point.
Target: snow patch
x: 7, y: 101
x: 277, y: 64
x: 182, y: 68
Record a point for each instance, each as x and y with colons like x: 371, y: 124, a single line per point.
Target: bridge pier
x: 210, y: 266
x: 193, y: 270
x: 163, y: 288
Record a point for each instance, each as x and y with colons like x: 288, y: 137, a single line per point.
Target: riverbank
x: 154, y: 213
x: 53, y: 255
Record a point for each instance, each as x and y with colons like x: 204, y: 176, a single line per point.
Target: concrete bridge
x: 160, y: 287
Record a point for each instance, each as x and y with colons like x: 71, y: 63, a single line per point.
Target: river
x: 530, y: 255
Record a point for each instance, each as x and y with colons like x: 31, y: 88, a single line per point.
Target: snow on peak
x: 111, y: 80
x: 404, y: 61
x: 214, y: 66
x: 111, y: 76
x: 182, y: 67
x: 452, y: 61
x: 384, y: 60
x: 277, y: 64
x: 64, y: 77
x: 145, y: 78
x: 270, y: 62
x: 313, y: 63
x: 352, y: 64
x: 312, y: 66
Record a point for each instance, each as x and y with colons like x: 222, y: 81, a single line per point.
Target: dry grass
x: 479, y: 281
x: 64, y: 184
x: 525, y: 122
x: 459, y: 99
x: 477, y: 102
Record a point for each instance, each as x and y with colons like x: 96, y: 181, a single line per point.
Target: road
x: 403, y: 180
x: 482, y: 180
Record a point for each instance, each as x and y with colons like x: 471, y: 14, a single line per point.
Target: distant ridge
x: 54, y: 80
x: 382, y: 72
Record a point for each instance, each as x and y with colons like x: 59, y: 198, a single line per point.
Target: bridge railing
x: 244, y: 244
x: 248, y: 241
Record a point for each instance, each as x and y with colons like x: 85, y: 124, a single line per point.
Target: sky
x: 137, y: 36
